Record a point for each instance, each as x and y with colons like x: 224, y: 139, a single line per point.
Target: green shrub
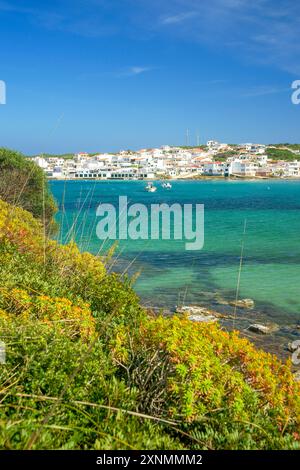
x: 280, y: 154
x: 220, y: 388
x: 86, y: 365
x: 24, y: 184
x: 57, y: 392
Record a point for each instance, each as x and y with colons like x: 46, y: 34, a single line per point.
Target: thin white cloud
x: 133, y: 71
x: 179, y: 18
x: 138, y: 70
x: 109, y: 73
x: 258, y: 31
x: 264, y: 91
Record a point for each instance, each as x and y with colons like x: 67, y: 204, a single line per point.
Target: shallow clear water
x: 170, y: 275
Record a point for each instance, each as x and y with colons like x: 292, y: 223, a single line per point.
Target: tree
x: 24, y: 184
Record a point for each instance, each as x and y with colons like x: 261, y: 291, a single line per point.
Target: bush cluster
x: 24, y: 184
x: 88, y: 368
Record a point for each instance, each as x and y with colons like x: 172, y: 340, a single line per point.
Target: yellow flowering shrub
x: 24, y: 232
x: 75, y: 320
x: 18, y: 228
x: 83, y: 271
x: 218, y: 387
x: 213, y: 370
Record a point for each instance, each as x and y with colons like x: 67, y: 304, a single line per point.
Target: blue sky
x: 100, y: 75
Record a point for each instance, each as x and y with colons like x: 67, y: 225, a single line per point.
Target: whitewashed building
x: 243, y: 168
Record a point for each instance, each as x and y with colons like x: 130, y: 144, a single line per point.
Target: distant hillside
x: 286, y: 153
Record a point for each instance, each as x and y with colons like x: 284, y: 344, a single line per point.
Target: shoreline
x: 276, y: 341
x: 199, y: 179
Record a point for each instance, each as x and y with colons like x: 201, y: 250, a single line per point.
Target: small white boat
x: 166, y: 185
x: 150, y: 188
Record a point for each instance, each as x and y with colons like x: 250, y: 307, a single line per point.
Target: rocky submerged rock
x: 217, y: 298
x: 291, y: 347
x: 263, y: 329
x: 291, y: 330
x: 221, y: 301
x: 199, y: 314
x: 242, y: 303
x: 203, y: 318
x: 209, y: 295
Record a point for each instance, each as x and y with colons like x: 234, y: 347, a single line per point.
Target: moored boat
x: 150, y: 188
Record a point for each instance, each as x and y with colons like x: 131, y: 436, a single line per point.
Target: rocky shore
x: 242, y: 315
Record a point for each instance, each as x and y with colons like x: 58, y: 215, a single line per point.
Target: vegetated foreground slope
x: 87, y: 368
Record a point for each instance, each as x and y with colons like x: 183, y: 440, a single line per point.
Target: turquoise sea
x: 169, y: 275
